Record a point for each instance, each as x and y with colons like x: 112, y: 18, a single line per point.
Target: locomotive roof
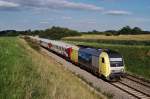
x: 92, y: 51
x: 112, y: 53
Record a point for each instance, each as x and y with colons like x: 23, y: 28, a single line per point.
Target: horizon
x: 70, y: 29
x: 80, y: 15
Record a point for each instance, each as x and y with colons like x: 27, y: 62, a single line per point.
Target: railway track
x: 139, y: 80
x: 134, y: 86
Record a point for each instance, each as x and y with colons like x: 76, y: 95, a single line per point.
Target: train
x: 105, y: 63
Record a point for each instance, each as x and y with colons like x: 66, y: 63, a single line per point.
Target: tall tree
x: 125, y: 30
x: 136, y: 30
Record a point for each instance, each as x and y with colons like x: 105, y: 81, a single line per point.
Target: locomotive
x: 105, y: 63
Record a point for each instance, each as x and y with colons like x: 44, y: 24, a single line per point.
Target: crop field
x: 121, y: 39
x: 142, y: 37
x: 136, y: 57
x: 27, y: 74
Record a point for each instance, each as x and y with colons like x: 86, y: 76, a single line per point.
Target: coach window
x: 103, y: 60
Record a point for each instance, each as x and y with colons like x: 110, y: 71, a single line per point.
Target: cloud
x: 73, y: 5
x: 44, y: 22
x: 117, y: 12
x: 8, y: 5
x: 66, y: 18
x: 139, y: 20
x: 57, y: 4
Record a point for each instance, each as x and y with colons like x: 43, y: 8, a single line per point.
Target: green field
x: 142, y: 37
x: 137, y: 58
x: 120, y: 39
x: 27, y: 74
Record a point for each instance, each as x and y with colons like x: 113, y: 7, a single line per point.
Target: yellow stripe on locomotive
x: 104, y: 65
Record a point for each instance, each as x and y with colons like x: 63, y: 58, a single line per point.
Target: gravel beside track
x: 104, y: 86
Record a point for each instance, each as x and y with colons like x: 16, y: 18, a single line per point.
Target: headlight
x: 117, y: 71
x: 122, y: 70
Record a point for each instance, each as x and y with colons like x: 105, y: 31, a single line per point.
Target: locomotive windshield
x: 116, y: 62
x: 115, y: 58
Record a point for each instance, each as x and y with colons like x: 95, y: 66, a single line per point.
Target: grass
x: 98, y: 89
x: 136, y: 57
x: 27, y: 74
x: 121, y: 39
x: 143, y: 37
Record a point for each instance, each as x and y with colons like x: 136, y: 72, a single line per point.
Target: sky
x: 81, y: 15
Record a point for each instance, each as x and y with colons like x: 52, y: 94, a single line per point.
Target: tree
x: 112, y: 32
x: 58, y: 33
x: 136, y: 30
x: 125, y: 30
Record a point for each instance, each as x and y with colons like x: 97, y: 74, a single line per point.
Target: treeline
x: 9, y: 33
x: 57, y: 33
x: 52, y: 33
x: 60, y: 32
x: 127, y: 30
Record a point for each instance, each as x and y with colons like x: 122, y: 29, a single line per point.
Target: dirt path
x: 96, y: 82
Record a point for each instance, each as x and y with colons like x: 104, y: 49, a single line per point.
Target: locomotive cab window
x: 103, y: 60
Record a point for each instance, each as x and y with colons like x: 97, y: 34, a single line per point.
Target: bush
x: 108, y: 34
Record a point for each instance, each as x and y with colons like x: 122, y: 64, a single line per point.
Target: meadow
x: 142, y: 37
x: 120, y: 39
x: 27, y: 74
x: 136, y: 57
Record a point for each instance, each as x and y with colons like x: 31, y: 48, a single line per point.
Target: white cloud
x: 57, y: 4
x: 73, y: 5
x: 91, y: 22
x: 66, y: 18
x: 6, y: 4
x: 139, y: 20
x: 117, y: 12
x: 44, y: 22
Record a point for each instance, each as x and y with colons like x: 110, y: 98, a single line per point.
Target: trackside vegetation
x: 27, y: 74
x: 136, y: 57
